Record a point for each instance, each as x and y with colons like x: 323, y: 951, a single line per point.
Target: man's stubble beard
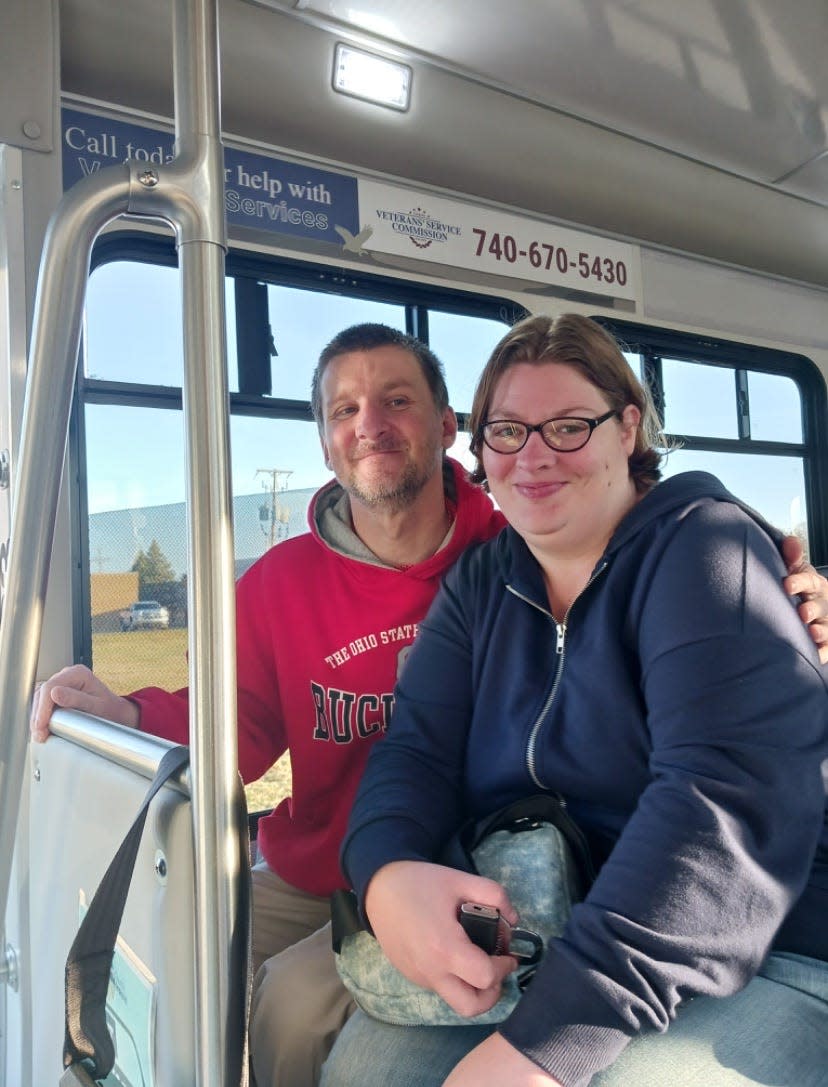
x: 394, y: 496
x: 398, y: 494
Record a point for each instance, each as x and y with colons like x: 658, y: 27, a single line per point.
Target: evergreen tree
x: 152, y: 567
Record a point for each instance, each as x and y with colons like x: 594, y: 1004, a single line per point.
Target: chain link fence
x: 141, y: 554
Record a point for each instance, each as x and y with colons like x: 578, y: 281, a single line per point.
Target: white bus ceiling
x: 699, y: 125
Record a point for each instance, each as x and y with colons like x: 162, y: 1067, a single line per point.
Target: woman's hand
x: 413, y: 907
x: 494, y: 1063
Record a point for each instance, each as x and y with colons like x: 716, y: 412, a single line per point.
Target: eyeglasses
x: 563, y: 435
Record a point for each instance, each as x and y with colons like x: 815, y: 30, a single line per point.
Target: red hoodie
x: 321, y: 635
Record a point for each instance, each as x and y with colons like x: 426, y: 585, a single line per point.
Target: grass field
x: 158, y: 658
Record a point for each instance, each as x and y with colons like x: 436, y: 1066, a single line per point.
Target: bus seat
x: 89, y: 781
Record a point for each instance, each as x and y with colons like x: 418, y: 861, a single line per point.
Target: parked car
x: 144, y: 613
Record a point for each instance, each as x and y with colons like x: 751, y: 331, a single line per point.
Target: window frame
x: 140, y: 246
x: 652, y: 344
x: 656, y: 344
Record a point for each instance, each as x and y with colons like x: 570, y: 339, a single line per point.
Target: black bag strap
x: 527, y: 813
x: 345, y: 918
x: 87, y: 1041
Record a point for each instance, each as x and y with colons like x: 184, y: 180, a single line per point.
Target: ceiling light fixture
x: 371, y: 77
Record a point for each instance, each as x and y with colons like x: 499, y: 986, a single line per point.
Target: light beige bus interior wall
x: 525, y: 144
x: 682, y: 292
x: 30, y: 187
x: 31, y: 182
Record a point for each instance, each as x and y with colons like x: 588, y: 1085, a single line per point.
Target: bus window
x: 463, y: 345
x: 134, y: 459
x: 715, y: 402
x: 303, y: 322
x: 699, y: 399
x: 132, y: 331
x: 130, y: 440
x: 775, y: 408
x: 136, y: 544
x: 636, y: 363
x: 775, y: 486
x: 276, y: 467
x: 746, y: 414
x: 133, y: 324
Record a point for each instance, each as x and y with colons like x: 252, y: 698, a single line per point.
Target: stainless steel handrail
x: 81, y: 214
x: 138, y: 752
x: 188, y: 193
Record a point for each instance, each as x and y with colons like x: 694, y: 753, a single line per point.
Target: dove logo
x: 353, y: 243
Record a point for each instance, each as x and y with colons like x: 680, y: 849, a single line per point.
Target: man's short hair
x: 366, y: 337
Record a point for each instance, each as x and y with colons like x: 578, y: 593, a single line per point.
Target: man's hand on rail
x: 812, y: 588
x: 77, y: 688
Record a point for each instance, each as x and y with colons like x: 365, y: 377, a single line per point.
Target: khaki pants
x: 299, y: 1004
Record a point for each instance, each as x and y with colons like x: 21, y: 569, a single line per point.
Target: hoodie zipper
x: 560, y: 652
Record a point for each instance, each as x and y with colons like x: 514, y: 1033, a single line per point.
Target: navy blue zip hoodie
x: 680, y: 709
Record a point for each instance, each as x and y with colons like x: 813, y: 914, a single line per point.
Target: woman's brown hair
x: 587, y: 347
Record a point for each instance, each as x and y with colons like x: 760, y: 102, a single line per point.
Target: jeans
x: 774, y: 1033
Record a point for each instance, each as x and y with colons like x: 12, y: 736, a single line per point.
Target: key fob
x: 486, y: 928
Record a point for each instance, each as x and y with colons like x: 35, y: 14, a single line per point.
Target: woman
x: 596, y: 648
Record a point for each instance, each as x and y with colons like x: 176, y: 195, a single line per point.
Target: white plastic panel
x: 82, y: 805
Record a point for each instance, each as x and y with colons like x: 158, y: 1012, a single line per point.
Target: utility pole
x: 276, y: 516
x: 100, y: 559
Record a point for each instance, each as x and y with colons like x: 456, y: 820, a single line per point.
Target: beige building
x: 111, y: 594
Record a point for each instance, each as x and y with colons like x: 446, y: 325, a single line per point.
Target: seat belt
x: 88, y: 1050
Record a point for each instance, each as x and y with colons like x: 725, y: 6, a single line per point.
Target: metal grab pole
x: 210, y: 590
x: 53, y: 357
x: 189, y: 193
x: 213, y: 744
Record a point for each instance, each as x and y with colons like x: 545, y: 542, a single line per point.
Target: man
x: 324, y: 622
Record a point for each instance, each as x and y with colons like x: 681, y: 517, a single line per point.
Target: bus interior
x: 195, y: 196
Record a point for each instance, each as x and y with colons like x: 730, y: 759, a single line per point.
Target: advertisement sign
x: 434, y: 228
x: 365, y: 218
x: 261, y: 192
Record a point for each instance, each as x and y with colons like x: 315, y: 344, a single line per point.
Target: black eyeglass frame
x: 531, y: 428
